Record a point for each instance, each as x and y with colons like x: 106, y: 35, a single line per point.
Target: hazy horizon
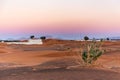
x: 64, y: 18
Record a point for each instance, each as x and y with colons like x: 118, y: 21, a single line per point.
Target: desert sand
x: 54, y: 60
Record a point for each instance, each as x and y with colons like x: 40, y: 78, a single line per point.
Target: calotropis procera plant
x: 92, y: 52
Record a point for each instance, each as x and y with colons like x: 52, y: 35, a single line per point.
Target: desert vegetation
x: 86, y: 38
x: 43, y: 37
x: 89, y: 52
x: 92, y: 52
x: 32, y: 37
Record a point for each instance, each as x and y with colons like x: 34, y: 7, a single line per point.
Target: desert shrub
x: 92, y: 52
x: 107, y: 39
x: 43, y: 37
x: 32, y: 37
x: 86, y: 38
x: 88, y: 53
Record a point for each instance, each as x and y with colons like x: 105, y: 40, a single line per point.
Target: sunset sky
x: 59, y: 18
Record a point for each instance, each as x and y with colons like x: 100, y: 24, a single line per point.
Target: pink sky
x: 19, y: 17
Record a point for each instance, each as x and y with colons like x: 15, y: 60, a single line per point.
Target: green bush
x: 92, y: 52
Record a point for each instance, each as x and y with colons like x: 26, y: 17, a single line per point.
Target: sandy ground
x: 53, y: 61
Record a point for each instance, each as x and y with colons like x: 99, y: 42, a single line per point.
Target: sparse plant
x: 92, y: 52
x: 43, y: 37
x: 88, y: 53
x: 107, y: 39
x: 86, y: 38
x: 32, y: 37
